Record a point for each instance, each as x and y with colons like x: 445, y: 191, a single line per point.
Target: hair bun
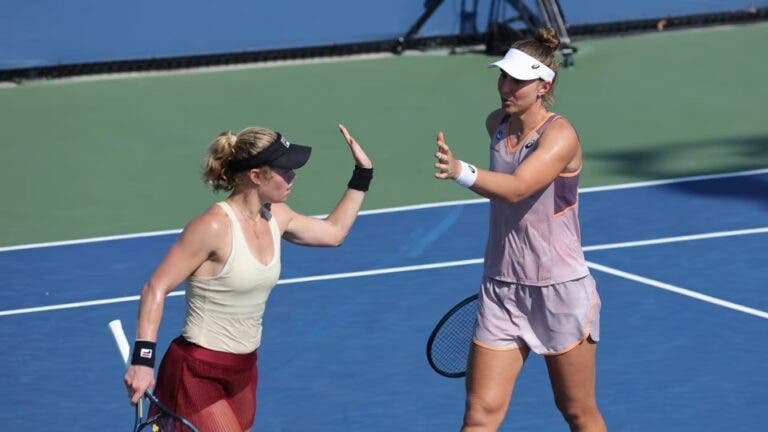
x: 547, y: 37
x: 231, y: 139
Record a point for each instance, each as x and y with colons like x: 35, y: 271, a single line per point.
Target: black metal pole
x: 431, y: 6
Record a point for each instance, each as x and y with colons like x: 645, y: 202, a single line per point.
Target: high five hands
x: 361, y: 159
x: 447, y: 166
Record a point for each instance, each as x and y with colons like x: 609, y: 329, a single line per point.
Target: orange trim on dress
x: 511, y: 148
x: 563, y: 211
x: 493, y: 348
x: 588, y: 325
x: 573, y: 174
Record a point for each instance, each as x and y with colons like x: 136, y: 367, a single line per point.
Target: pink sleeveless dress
x: 536, y: 289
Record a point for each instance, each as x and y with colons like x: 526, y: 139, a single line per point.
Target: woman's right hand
x: 138, y: 379
x: 361, y: 159
x: 447, y: 166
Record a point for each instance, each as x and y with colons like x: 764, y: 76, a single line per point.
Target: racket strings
x: 453, y: 340
x: 160, y: 419
x: 164, y: 423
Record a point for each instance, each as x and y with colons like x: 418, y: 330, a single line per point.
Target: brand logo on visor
x: 534, y: 66
x: 285, y: 142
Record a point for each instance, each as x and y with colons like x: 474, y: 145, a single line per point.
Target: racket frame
x: 436, y: 330
x: 116, y: 326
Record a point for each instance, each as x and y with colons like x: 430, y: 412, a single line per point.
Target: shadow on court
x: 696, y: 158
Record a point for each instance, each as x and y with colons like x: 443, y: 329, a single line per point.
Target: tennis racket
x: 164, y: 420
x: 448, y: 345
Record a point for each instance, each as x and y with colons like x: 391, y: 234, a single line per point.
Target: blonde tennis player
x: 230, y: 257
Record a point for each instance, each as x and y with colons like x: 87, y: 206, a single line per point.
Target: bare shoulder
x: 283, y: 214
x: 493, y: 120
x: 561, y: 131
x: 211, y: 224
x: 561, y: 139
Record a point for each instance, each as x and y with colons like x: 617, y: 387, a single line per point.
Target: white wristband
x: 468, y: 174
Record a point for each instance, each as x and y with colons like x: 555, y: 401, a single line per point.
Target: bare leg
x: 572, y: 376
x: 218, y: 417
x: 491, y: 377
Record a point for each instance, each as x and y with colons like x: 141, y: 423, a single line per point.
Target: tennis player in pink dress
x: 536, y: 293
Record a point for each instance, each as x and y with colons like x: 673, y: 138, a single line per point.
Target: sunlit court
x: 106, y: 117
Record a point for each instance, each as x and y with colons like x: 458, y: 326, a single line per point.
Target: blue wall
x: 596, y: 11
x: 49, y: 32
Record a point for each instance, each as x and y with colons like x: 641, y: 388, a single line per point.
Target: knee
x: 580, y: 415
x: 485, y: 413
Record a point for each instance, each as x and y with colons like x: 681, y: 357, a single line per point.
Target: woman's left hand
x: 361, y: 159
x: 447, y: 166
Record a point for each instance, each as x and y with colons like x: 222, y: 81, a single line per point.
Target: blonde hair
x: 228, y: 147
x: 543, y: 47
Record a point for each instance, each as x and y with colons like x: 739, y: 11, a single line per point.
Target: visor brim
x: 516, y: 70
x: 295, y: 158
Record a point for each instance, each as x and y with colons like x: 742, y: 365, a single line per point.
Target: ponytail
x: 219, y: 154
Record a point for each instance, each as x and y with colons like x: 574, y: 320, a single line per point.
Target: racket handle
x: 122, y: 342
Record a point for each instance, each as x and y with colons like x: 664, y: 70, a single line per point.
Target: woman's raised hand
x: 361, y: 159
x: 447, y: 166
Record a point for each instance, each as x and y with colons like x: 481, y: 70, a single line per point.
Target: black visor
x: 281, y: 153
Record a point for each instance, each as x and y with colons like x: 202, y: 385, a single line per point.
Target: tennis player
x: 230, y: 258
x: 536, y: 293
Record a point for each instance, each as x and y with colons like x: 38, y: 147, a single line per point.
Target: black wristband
x: 143, y: 353
x: 361, y: 179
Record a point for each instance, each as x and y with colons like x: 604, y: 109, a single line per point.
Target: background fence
x: 51, y: 33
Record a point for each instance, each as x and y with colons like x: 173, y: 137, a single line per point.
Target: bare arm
x: 558, y: 147
x: 332, y: 230
x: 196, y: 244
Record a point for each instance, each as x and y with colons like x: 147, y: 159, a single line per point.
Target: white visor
x: 520, y: 65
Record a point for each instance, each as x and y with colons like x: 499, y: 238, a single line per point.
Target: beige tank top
x: 224, y: 312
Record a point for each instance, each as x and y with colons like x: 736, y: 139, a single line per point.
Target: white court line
x: 280, y: 282
x: 676, y: 239
x: 678, y: 290
x: 76, y: 305
x: 402, y: 269
x: 89, y: 240
x: 675, y: 180
x: 402, y: 208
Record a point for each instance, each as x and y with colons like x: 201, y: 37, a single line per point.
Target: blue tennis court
x: 679, y: 265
